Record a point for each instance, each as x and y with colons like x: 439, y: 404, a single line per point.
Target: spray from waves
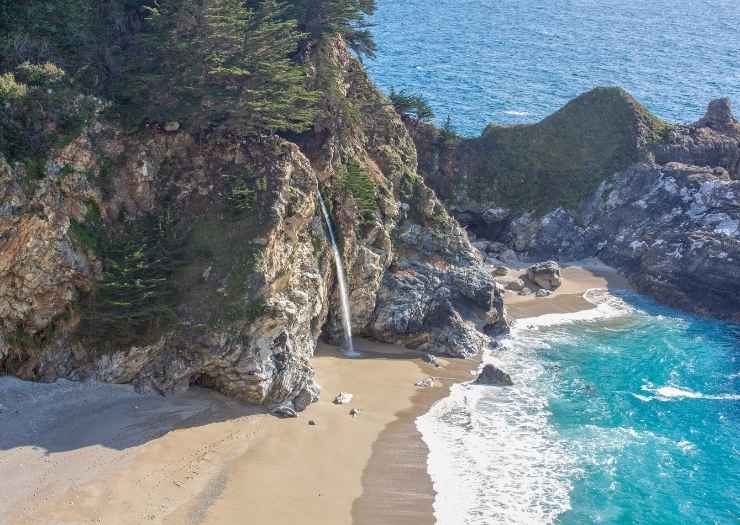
x: 495, y: 456
x: 672, y: 393
x: 606, y: 306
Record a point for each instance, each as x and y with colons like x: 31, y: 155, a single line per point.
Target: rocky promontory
x: 602, y: 177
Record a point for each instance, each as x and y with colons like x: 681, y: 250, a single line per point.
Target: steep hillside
x: 556, y: 162
x: 603, y: 178
x: 166, y: 258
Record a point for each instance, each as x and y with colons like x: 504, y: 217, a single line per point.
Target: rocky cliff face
x: 254, y: 286
x: 670, y: 220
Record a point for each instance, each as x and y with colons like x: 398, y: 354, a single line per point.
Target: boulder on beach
x: 545, y: 275
x: 429, y: 358
x: 285, y: 410
x: 343, y: 398
x: 493, y: 376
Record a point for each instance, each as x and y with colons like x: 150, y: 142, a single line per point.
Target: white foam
x: 517, y: 113
x: 673, y: 393
x: 494, y: 455
x: 606, y: 306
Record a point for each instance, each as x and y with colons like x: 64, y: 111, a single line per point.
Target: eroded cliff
x: 220, y: 243
x: 604, y: 178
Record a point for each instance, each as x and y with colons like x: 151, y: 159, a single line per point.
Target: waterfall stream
x: 344, y: 299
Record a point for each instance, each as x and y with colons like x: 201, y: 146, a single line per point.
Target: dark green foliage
x: 561, y: 160
x: 41, y: 110
x: 222, y: 64
x: 328, y: 17
x: 241, y: 194
x: 357, y: 183
x: 136, y: 294
x: 89, y: 233
x: 219, y: 65
x: 447, y: 135
x: 412, y: 106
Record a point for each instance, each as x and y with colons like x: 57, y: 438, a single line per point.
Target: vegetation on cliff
x: 554, y: 163
x: 225, y: 65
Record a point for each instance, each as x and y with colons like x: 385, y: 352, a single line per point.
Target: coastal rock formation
x: 545, y: 275
x: 493, y: 376
x: 658, y: 201
x: 236, y: 236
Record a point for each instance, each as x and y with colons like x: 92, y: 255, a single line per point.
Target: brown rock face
x: 255, y: 286
x: 719, y: 116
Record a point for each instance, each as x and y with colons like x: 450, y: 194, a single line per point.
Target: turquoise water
x: 514, y: 61
x: 627, y: 414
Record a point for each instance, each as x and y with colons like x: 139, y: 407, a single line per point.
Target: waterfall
x: 344, y: 299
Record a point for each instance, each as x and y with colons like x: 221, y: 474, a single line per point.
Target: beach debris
x: 285, y: 410
x: 343, y: 398
x: 427, y: 382
x: 493, y: 376
x: 545, y: 275
x: 354, y: 412
x: 429, y: 358
x: 500, y: 271
x: 312, y: 422
x: 543, y: 293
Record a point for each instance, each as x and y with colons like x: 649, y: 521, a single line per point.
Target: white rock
x: 343, y: 398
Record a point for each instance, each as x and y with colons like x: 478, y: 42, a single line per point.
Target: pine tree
x: 347, y: 17
x: 270, y: 90
x: 217, y: 64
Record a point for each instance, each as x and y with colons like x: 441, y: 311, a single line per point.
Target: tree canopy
x: 229, y: 65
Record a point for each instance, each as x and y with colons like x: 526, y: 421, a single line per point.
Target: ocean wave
x: 606, y: 306
x: 672, y: 393
x: 494, y: 455
x: 517, y: 113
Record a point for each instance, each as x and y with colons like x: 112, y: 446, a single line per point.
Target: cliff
x: 602, y: 177
x: 166, y: 259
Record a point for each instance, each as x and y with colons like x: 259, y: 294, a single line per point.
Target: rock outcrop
x: 254, y: 284
x: 667, y: 214
x: 493, y: 376
x: 546, y: 275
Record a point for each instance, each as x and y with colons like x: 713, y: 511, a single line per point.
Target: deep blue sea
x: 628, y: 413
x: 514, y: 61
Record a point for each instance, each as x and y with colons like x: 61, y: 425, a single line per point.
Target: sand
x: 577, y: 279
x: 74, y: 453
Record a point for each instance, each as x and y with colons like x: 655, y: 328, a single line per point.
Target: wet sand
x: 103, y: 454
x: 577, y: 279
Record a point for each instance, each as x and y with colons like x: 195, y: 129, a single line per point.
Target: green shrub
x: 136, y: 295
x: 42, y: 75
x: 10, y: 89
x: 357, y: 183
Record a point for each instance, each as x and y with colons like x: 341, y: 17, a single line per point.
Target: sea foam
x: 494, y: 455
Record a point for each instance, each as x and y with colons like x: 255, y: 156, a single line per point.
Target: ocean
x: 628, y: 413
x: 517, y: 61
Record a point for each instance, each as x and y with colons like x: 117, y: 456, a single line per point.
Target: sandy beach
x: 90, y: 453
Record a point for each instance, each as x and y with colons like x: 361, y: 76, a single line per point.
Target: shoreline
x: 210, y: 460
